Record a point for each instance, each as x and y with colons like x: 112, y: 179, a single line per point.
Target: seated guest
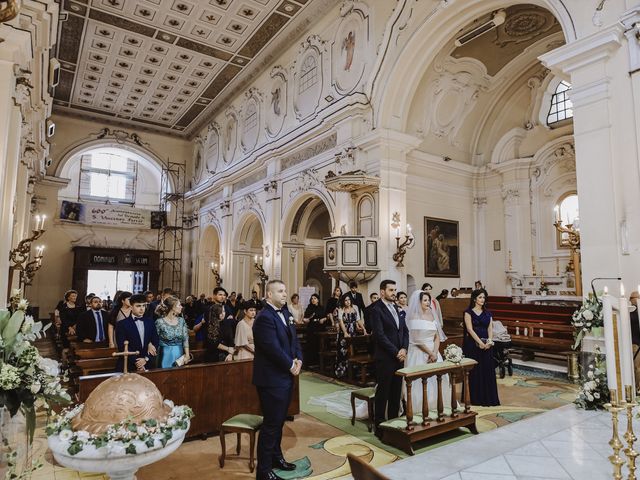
x: 315, y: 317
x: 172, y: 332
x: 141, y: 333
x: 217, y: 349
x: 296, y: 309
x: 121, y: 310
x: 443, y: 294
x: 350, y: 325
x: 332, y: 306
x: 92, y: 324
x: 245, y: 348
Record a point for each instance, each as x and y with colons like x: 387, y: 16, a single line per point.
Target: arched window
x: 108, y: 175
x: 561, y: 106
x: 568, y: 211
x: 366, y: 218
x: 308, y: 73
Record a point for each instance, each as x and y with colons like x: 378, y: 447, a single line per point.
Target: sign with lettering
x: 103, y: 259
x: 111, y: 215
x: 136, y: 260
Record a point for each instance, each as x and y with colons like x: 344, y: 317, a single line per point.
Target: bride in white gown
x: 425, y: 335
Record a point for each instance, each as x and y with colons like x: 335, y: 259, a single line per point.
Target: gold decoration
x: 630, y: 436
x: 9, y: 10
x: 616, y: 445
x: 128, y: 396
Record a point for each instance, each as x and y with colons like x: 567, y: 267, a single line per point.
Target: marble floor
x: 564, y: 443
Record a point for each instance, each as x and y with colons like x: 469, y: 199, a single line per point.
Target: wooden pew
x: 359, y: 357
x: 215, y: 392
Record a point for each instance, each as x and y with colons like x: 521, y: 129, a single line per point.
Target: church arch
x: 209, y: 251
x: 400, y: 75
x: 248, y: 245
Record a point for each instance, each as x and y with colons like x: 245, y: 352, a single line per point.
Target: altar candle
x: 526, y: 332
x: 44, y: 217
x: 398, y: 232
x: 541, y: 333
x: 517, y: 330
x: 557, y: 210
x: 609, y: 343
x: 409, y: 230
x: 626, y: 348
x: 37, y: 222
x: 256, y: 259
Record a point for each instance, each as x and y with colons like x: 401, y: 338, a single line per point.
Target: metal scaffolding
x: 173, y: 183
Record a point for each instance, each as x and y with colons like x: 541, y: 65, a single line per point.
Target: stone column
x: 480, y: 227
x: 607, y: 167
x: 512, y: 227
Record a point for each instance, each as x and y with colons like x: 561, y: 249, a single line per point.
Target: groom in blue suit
x: 277, y: 360
x: 141, y: 333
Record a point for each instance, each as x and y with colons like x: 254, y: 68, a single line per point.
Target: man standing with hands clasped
x: 277, y: 360
x: 391, y: 340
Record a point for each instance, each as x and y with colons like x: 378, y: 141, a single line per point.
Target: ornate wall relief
x: 349, y: 46
x: 230, y: 135
x: 276, y: 108
x: 198, y: 160
x: 453, y: 94
x: 251, y: 119
x: 308, y: 77
x: 212, y: 148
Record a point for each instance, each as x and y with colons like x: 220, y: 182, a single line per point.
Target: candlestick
x: 44, y: 217
x: 626, y: 347
x: 37, y: 222
x: 409, y: 229
x: 557, y: 212
x: 610, y: 332
x: 398, y: 232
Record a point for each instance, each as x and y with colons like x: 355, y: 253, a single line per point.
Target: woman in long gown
x: 350, y: 325
x: 173, y: 332
x: 478, y: 345
x: 425, y: 335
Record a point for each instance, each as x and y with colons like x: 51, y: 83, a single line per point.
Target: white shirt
x: 394, y: 312
x: 280, y: 314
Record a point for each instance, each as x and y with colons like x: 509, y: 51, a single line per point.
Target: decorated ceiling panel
x: 160, y: 63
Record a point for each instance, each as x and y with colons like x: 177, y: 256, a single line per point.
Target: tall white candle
x: 37, y: 222
x: 607, y: 313
x: 626, y: 347
x: 44, y: 217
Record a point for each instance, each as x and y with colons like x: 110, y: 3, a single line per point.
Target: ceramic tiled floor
x: 564, y: 443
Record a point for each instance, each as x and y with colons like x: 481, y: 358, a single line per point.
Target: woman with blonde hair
x: 173, y: 332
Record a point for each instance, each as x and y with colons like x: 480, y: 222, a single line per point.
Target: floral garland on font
x: 588, y: 316
x: 126, y: 437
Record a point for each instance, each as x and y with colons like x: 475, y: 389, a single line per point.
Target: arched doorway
x: 308, y: 222
x: 208, y: 253
x: 248, y: 250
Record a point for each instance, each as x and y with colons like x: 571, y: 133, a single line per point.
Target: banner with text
x: 111, y: 215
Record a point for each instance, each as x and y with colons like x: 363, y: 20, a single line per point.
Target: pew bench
x: 403, y: 431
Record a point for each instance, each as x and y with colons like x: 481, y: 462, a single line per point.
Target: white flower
x: 589, y: 374
x: 16, y: 293
x: 142, y: 430
x: 588, y: 315
x: 596, y: 395
x: 171, y: 421
x: 65, y: 435
x: 169, y: 403
x: 35, y: 387
x: 116, y: 449
x: 49, y: 366
x: 23, y: 304
x: 83, y: 435
x: 589, y: 397
x: 27, y: 325
x: 9, y: 377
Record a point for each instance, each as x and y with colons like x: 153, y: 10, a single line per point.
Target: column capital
x: 585, y: 51
x: 479, y: 201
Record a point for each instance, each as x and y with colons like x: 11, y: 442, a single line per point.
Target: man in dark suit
x: 373, y: 298
x: 278, y: 359
x: 142, y: 335
x: 92, y: 324
x: 356, y: 297
x: 150, y: 310
x: 391, y: 341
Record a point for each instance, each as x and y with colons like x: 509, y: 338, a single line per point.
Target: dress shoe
x: 282, y: 464
x: 270, y: 475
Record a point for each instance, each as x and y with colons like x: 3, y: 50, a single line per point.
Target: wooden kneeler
x: 239, y: 424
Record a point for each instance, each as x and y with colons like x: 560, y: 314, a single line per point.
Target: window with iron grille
x: 308, y: 74
x: 108, y: 177
x: 561, y: 106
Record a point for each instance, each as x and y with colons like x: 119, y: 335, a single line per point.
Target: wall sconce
x: 409, y: 240
x: 30, y: 269
x: 260, y: 269
x: 19, y: 255
x: 216, y: 274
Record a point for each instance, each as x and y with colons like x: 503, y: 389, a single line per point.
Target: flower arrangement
x: 27, y: 380
x: 594, y: 393
x: 587, y: 317
x: 544, y: 288
x: 453, y: 353
x: 124, y: 438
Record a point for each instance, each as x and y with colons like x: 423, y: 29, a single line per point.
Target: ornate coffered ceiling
x: 160, y: 64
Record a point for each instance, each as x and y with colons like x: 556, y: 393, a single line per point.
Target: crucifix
x: 125, y: 354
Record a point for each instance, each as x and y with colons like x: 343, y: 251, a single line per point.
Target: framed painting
x: 442, y: 248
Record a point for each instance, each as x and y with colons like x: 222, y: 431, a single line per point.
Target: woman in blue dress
x: 173, y: 332
x: 478, y: 345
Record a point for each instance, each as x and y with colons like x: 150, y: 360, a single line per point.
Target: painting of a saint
x: 441, y: 248
x: 275, y: 101
x: 349, y: 45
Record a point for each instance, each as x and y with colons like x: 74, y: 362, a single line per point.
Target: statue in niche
x: 275, y: 101
x: 349, y: 45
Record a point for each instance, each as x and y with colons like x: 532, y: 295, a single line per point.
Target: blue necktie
x: 99, y: 327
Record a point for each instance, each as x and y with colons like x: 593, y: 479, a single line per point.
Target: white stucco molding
x: 387, y: 137
x: 584, y: 52
x: 631, y: 21
x: 55, y: 182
